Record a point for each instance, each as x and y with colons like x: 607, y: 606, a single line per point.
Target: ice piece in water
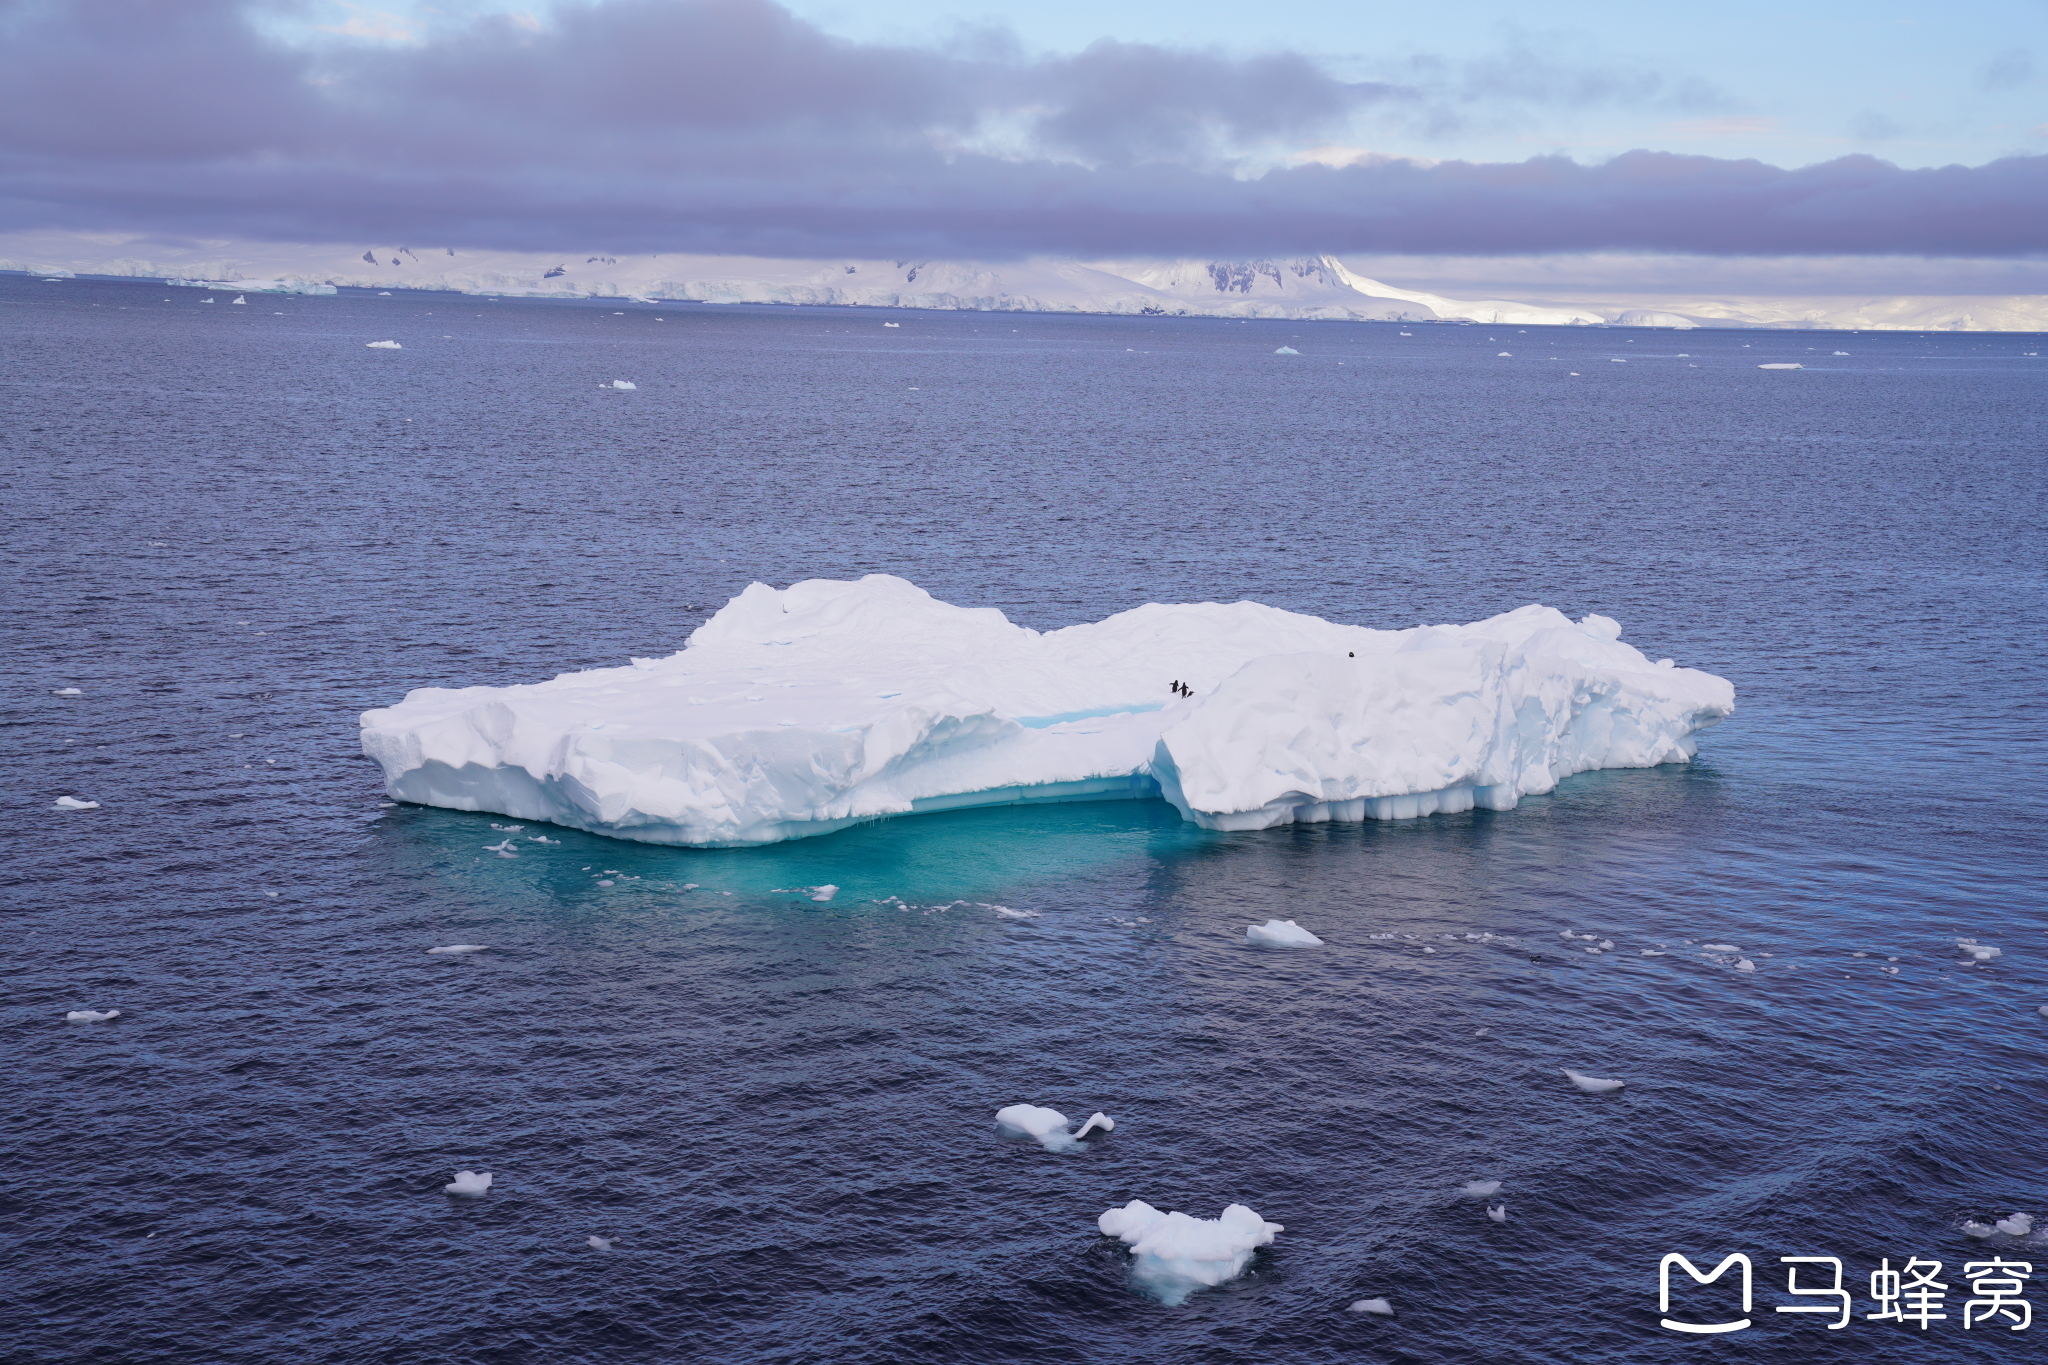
x: 897, y: 703
x: 1983, y: 952
x: 1287, y: 350
x: 73, y: 803
x: 1719, y: 948
x: 1173, y: 1254
x: 600, y: 1243
x: 462, y: 948
x: 91, y: 1016
x: 1782, y: 365
x: 623, y: 384
x: 384, y: 346
x: 1498, y: 1213
x: 1592, y: 1085
x: 1379, y: 1307
x: 2019, y: 1225
x: 1049, y: 1126
x: 67, y: 692
x: 1283, y: 933
x: 469, y: 1182
x: 1479, y: 1189
x: 824, y: 893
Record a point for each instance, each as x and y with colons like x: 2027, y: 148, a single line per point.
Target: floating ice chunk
x: 1307, y: 720
x: 1978, y: 1229
x: 541, y: 839
x: 1983, y: 952
x: 623, y: 384
x: 1505, y: 355
x: 67, y: 692
x: 1744, y: 965
x: 73, y: 803
x: 1782, y: 365
x: 469, y: 1182
x: 454, y: 948
x: 1719, y: 948
x: 1841, y: 353
x: 239, y: 299
x: 2019, y: 1225
x: 601, y: 1243
x: 1378, y: 1307
x: 1007, y: 913
x: 91, y: 1016
x: 384, y: 346
x: 824, y: 893
x: 1286, y: 350
x: 1592, y: 1085
x: 1498, y: 1213
x: 1048, y: 1127
x: 1173, y: 1254
x: 892, y: 324
x: 1282, y: 933
x: 1479, y: 1189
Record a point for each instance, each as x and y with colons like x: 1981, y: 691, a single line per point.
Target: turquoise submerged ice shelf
x: 803, y: 710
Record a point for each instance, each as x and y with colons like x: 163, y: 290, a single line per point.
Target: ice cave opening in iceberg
x: 802, y: 710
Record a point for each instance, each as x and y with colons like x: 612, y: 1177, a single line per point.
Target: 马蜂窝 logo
x: 1909, y: 1296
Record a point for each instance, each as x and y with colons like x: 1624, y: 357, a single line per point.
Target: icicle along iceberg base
x: 803, y: 710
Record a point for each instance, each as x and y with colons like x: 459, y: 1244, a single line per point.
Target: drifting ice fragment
x: 91, y: 1016
x: 2019, y: 1225
x: 469, y: 1182
x: 824, y: 893
x: 1048, y: 1127
x: 1592, y: 1085
x: 1719, y: 948
x: 1783, y: 365
x: 1173, y: 1254
x: 1983, y: 952
x: 623, y: 384
x: 1498, y: 1213
x: 1380, y: 1307
x: 67, y: 692
x: 384, y: 346
x: 1479, y: 1189
x: 1505, y: 355
x: 1977, y: 1229
x: 239, y: 299
x: 1287, y: 350
x: 1744, y: 965
x: 601, y: 1243
x: 1282, y: 933
x: 462, y: 948
x: 73, y: 803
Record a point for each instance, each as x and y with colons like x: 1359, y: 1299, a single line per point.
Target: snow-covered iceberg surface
x: 1174, y: 1254
x: 803, y: 710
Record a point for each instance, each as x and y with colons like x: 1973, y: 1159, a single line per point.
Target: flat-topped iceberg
x: 803, y: 710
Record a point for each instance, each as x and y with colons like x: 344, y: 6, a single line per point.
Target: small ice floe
x: 541, y: 839
x: 1743, y: 964
x: 1479, y: 1189
x: 1173, y: 1254
x: 1975, y: 1229
x: 1783, y: 365
x: 621, y: 384
x: 1841, y: 353
x: 469, y: 1183
x: 1286, y: 350
x: 504, y: 850
x: 600, y: 1243
x: 824, y: 893
x: 1650, y: 952
x: 1504, y: 355
x: 1377, y: 1307
x: 91, y: 1016
x: 1282, y: 933
x: 383, y: 345
x: 1048, y: 1127
x: 1497, y: 1212
x: 2043, y: 1009
x: 67, y: 692
x: 73, y: 803
x: 1007, y: 913
x: 507, y: 829
x: 1592, y: 1085
x: 892, y: 324
x: 2019, y: 1225
x: 456, y: 948
x: 1982, y: 952
x: 1719, y: 948
x: 239, y: 299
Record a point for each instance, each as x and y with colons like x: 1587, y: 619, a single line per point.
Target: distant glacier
x: 1307, y: 288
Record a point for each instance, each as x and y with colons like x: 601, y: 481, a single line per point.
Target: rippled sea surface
x: 236, y: 527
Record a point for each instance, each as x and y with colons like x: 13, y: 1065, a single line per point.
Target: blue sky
x: 1460, y: 129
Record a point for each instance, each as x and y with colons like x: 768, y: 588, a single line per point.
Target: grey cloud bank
x: 732, y: 127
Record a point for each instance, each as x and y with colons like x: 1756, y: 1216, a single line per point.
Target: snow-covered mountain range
x: 1307, y: 288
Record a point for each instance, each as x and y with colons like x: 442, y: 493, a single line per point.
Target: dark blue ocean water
x: 235, y: 528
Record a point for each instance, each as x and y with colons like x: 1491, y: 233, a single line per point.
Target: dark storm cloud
x: 732, y: 126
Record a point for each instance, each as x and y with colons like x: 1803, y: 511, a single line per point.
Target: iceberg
x: 1174, y: 1254
x: 803, y: 710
